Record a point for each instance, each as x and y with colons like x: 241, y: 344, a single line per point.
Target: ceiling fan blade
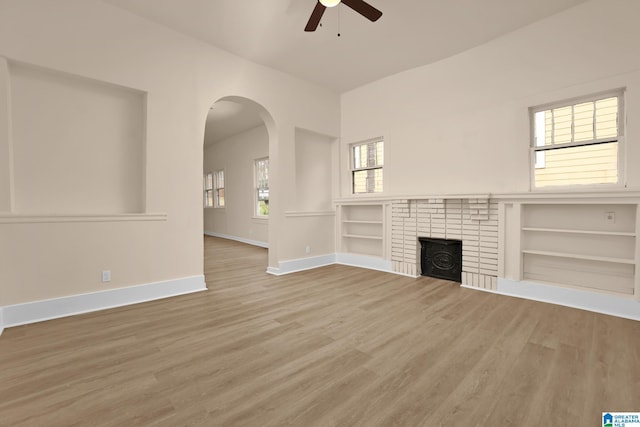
x: 364, y: 9
x: 315, y: 18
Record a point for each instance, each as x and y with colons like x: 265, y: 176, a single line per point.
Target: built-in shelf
x: 578, y: 256
x: 362, y: 228
x: 353, y: 221
x: 589, y: 245
x: 362, y: 236
x: 570, y: 231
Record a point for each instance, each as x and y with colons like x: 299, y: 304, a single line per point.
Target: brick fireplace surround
x: 472, y: 220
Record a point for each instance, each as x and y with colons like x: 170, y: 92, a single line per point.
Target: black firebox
x: 441, y: 258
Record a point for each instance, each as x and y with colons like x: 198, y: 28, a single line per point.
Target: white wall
x: 314, y: 171
x: 44, y: 258
x: 311, y: 230
x: 461, y: 125
x: 6, y: 152
x: 236, y: 156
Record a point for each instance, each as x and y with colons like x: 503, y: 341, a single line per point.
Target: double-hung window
x: 218, y: 187
x: 208, y: 190
x: 261, y: 174
x: 578, y: 142
x: 367, y: 160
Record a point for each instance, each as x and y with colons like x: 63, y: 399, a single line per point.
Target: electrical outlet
x: 308, y: 249
x: 106, y: 276
x: 610, y: 217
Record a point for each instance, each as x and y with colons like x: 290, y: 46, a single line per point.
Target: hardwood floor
x: 335, y: 346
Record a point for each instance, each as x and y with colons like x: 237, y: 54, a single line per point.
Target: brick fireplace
x: 474, y: 221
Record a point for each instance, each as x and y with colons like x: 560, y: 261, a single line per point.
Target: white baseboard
x: 38, y: 311
x: 1, y: 322
x: 364, y: 261
x: 238, y: 239
x: 568, y: 297
x: 294, y: 265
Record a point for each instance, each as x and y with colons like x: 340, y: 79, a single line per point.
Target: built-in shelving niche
x: 591, y: 246
x: 362, y: 229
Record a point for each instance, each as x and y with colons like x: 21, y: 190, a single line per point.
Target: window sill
x: 586, y: 188
x: 260, y: 218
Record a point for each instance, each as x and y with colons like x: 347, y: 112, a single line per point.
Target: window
x: 218, y: 187
x: 208, y: 190
x: 261, y: 174
x: 579, y: 142
x: 367, y: 159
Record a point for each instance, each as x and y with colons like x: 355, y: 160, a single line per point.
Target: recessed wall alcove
x: 78, y: 145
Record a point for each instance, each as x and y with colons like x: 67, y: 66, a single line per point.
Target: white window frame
x: 256, y: 188
x: 615, y: 93
x: 353, y: 169
x: 207, y: 185
x: 216, y: 189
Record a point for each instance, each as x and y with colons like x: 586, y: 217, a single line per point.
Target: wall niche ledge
x: 78, y: 218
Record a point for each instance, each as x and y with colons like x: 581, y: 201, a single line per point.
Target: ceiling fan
x: 360, y: 6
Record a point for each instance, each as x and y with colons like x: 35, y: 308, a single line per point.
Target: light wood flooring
x: 335, y: 346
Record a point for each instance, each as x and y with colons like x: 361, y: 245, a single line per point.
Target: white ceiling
x: 227, y: 118
x: 410, y: 33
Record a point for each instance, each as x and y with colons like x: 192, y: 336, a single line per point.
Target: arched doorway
x: 236, y: 171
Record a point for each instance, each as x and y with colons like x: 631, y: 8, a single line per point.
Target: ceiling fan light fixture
x: 330, y: 3
x: 360, y: 6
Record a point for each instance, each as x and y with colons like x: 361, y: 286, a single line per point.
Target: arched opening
x: 236, y: 172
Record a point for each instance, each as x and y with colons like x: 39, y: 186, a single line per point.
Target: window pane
x: 562, y: 125
x: 263, y: 208
x: 377, y: 177
x: 208, y: 199
x: 360, y: 181
x: 592, y: 164
x: 540, y: 133
x: 357, y: 163
x: 219, y: 179
x: 220, y: 197
x: 583, y: 121
x: 367, y: 181
x: 208, y: 181
x: 262, y: 187
x: 262, y: 173
x: 380, y: 153
x: 548, y: 128
x: 607, y: 118
x: 370, y: 154
x: 364, y: 155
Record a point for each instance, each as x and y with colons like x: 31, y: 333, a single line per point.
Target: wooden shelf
x: 362, y: 236
x: 569, y: 231
x: 578, y: 256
